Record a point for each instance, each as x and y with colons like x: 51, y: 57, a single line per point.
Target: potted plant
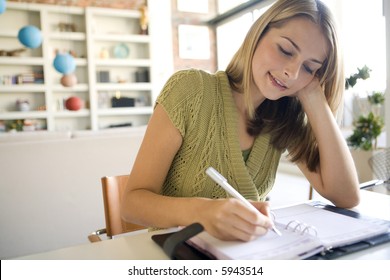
x: 367, y: 128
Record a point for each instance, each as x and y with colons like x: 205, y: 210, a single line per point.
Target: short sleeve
x: 181, y: 98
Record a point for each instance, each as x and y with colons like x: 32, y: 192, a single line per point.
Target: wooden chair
x: 113, y: 188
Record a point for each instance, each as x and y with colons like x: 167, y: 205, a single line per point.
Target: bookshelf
x: 113, y: 60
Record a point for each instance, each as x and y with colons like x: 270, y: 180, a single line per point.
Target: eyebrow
x: 299, y: 49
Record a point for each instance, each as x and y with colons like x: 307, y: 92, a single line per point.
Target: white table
x: 142, y: 247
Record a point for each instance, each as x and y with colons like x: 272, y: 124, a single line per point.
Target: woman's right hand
x: 230, y: 219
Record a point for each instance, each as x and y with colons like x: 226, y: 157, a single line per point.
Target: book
x: 307, y: 229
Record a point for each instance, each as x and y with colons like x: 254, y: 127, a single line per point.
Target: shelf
x: 75, y: 88
x: 72, y: 114
x: 124, y: 86
x: 23, y: 115
x: 123, y: 62
x: 81, y: 61
x: 125, y: 111
x: 23, y: 88
x: 126, y: 38
x: 21, y: 60
x: 68, y: 36
x: 86, y: 31
x: 115, y: 13
x: 12, y: 34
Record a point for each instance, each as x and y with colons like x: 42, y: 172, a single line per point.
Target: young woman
x: 280, y: 92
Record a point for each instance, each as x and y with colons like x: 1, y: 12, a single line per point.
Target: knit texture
x: 201, y: 106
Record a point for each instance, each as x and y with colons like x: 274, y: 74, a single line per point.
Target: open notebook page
x: 333, y: 229
x: 270, y: 246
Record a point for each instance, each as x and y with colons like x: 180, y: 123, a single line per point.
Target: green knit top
x: 201, y: 106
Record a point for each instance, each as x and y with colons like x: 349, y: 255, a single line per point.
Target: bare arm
x: 336, y: 178
x: 143, y: 204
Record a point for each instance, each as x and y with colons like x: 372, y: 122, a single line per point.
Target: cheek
x: 304, y: 80
x: 263, y: 62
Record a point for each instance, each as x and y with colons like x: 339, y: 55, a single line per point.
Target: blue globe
x: 3, y: 6
x: 30, y: 36
x: 64, y: 63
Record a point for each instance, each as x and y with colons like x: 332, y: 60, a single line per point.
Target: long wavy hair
x: 284, y: 118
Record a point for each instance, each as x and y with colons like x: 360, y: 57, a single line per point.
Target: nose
x: 292, y: 70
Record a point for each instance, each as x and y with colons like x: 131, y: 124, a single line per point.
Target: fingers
x: 233, y: 220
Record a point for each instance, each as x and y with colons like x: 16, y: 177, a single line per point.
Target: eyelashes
x: 283, y: 51
x: 290, y: 54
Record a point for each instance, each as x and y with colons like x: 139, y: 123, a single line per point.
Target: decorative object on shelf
x: 66, y: 27
x: 120, y: 125
x: 103, y: 76
x: 121, y: 50
x: 22, y: 105
x: 69, y: 80
x: 142, y: 76
x: 2, y: 126
x: 15, y: 52
x: 104, y: 53
x: 122, y: 102
x: 28, y: 125
x: 74, y: 103
x: 64, y: 63
x: 14, y: 125
x: 30, y: 36
x: 3, y: 6
x: 144, y: 19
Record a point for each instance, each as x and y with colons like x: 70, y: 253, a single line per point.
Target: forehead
x: 306, y: 34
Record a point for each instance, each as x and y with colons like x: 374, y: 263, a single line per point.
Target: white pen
x: 222, y: 181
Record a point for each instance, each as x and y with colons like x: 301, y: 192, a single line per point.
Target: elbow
x: 125, y: 212
x: 349, y: 200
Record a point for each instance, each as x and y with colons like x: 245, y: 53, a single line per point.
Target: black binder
x: 175, y: 245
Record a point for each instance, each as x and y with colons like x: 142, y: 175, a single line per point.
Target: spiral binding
x: 297, y: 226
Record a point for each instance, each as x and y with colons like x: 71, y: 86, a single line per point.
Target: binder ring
x: 309, y: 229
x: 273, y: 216
x: 294, y: 225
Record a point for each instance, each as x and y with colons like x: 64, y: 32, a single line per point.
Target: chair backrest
x: 113, y: 189
x: 380, y: 164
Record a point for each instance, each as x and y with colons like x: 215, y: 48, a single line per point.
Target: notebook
x: 307, y: 229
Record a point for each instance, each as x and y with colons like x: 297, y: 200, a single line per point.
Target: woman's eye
x: 308, y: 70
x: 284, y: 51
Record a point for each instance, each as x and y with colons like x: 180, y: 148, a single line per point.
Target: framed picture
x: 192, y: 6
x: 194, y: 41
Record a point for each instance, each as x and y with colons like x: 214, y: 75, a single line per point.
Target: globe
x: 30, y: 36
x: 74, y: 103
x: 69, y: 80
x: 64, y: 63
x: 3, y: 6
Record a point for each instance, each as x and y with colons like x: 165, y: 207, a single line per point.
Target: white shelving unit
x: 118, y: 52
x: 99, y: 36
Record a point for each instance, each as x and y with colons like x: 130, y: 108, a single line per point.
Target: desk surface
x: 141, y: 247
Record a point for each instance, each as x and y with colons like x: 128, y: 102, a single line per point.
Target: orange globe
x: 74, y: 103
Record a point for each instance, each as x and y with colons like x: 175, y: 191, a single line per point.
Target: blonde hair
x: 331, y: 76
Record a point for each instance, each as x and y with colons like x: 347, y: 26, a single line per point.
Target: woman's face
x: 286, y: 59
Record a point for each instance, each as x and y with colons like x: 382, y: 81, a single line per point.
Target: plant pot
x: 361, y: 157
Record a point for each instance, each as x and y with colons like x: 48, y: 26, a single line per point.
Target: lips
x: 277, y: 83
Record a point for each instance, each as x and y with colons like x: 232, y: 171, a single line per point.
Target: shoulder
x: 196, y: 75
x: 187, y: 84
